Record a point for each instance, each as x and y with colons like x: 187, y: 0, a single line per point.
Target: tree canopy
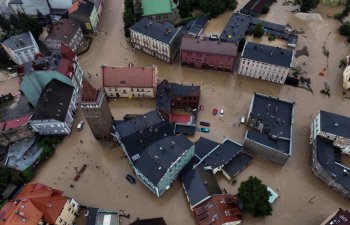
x: 255, y: 197
x: 307, y: 5
x: 258, y: 31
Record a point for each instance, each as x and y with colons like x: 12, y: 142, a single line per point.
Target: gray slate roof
x: 204, y: 146
x: 235, y: 28
x: 237, y: 164
x: 164, y: 32
x: 335, y: 124
x: 18, y: 41
x: 64, y: 30
x: 267, y: 54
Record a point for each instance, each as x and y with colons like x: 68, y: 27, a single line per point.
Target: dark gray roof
x: 268, y: 25
x: 157, y: 158
x: 267, y: 54
x: 204, y: 146
x: 91, y: 219
x: 237, y: 164
x: 254, y: 7
x: 223, y: 154
x: 326, y: 155
x: 201, y: 21
x: 186, y: 129
x: 19, y: 41
x: 153, y: 221
x: 195, y: 30
x: 276, y: 115
x: 164, y: 32
x: 335, y: 124
x: 235, y: 28
x: 64, y: 30
x: 15, y: 2
x: 199, y: 185
x: 54, y: 101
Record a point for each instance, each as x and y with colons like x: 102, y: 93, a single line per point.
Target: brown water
x: 106, y: 186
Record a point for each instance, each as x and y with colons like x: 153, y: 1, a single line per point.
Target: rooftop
x: 54, y: 101
x: 19, y: 41
x: 163, y: 32
x: 129, y: 76
x: 235, y: 28
x: 335, y: 124
x: 90, y: 93
x: 205, y: 46
x: 158, y: 157
x: 15, y: 123
x: 155, y: 7
x: 254, y: 7
x: 64, y: 30
x: 82, y: 7
x: 268, y: 54
x: 341, y: 217
x: 153, y: 221
x: 270, y: 120
x: 204, y: 146
x: 17, y: 108
x: 237, y: 164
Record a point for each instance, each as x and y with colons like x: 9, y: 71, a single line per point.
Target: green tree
x: 258, y: 31
x: 255, y: 197
x: 185, y: 8
x: 128, y: 16
x: 5, y: 24
x: 231, y: 4
x: 265, y: 9
x: 27, y: 174
x: 4, y: 177
x: 307, y: 5
x: 344, y: 29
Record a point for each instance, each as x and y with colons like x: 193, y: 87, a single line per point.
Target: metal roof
x: 235, y: 28
x: 19, y: 41
x: 237, y: 164
x: 204, y: 146
x: 335, y: 124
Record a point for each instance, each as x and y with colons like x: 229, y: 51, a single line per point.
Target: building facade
x: 340, y: 217
x: 206, y: 54
x: 86, y: 14
x: 96, y: 111
x: 130, y: 81
x: 159, y: 40
x: 67, y: 32
x: 265, y: 62
x: 21, y: 48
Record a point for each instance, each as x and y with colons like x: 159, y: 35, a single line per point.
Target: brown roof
x: 217, y: 210
x: 341, y: 217
x: 129, y: 76
x: 205, y: 46
x: 64, y: 30
x: 35, y: 202
x: 89, y: 92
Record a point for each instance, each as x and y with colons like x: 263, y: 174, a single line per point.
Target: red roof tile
x: 74, y: 7
x: 130, y: 76
x: 89, y: 93
x: 65, y: 65
x: 15, y: 123
x: 22, y: 212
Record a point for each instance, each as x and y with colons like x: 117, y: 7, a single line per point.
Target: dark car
x: 206, y: 124
x: 130, y: 179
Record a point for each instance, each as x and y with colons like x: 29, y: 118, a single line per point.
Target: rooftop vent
x: 336, y: 124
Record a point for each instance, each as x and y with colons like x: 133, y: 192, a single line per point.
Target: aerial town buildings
x: 157, y: 10
x: 39, y: 204
x: 340, y: 217
x: 14, y: 130
x: 346, y: 74
x: 270, y: 123
x: 265, y: 62
x: 161, y: 40
x: 255, y: 7
x: 130, y: 81
x: 86, y: 14
x: 96, y: 111
x: 21, y: 48
x: 330, y: 140
x: 55, y: 111
x: 203, y: 53
x: 196, y: 26
x: 66, y: 31
x: 63, y: 66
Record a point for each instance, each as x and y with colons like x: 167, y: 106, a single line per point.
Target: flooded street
x: 304, y: 199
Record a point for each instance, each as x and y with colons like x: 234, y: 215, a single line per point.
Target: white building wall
x: 60, y: 4
x: 68, y: 214
x: 263, y: 71
x: 49, y: 127
x: 127, y: 92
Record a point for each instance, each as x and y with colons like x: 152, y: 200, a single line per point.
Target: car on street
x: 80, y: 125
x: 131, y: 179
x: 215, y: 111
x: 204, y: 129
x: 221, y: 113
x: 206, y: 124
x: 242, y: 120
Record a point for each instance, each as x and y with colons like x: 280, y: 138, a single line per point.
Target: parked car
x: 242, y: 120
x: 221, y: 113
x: 215, y: 111
x: 131, y: 179
x: 80, y: 125
x: 214, y: 37
x: 204, y: 129
x: 206, y: 124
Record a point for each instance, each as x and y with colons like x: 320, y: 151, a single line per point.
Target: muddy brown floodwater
x: 104, y: 185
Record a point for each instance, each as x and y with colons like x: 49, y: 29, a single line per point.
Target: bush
x: 307, y: 5
x: 272, y: 37
x: 185, y: 8
x: 265, y: 9
x: 128, y: 16
x: 344, y: 29
x: 16, y: 177
x: 27, y: 174
x: 258, y: 31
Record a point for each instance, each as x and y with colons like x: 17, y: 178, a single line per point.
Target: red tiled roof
x: 89, y: 93
x: 74, y: 7
x: 65, y: 65
x: 15, y: 123
x: 130, y: 76
x: 35, y: 202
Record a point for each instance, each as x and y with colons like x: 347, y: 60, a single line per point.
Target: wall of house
x: 207, y: 60
x: 263, y: 71
x: 147, y: 182
x: 94, y: 19
x: 125, y: 92
x: 68, y: 213
x: 83, y: 21
x: 265, y: 152
x: 167, y: 17
x: 22, y: 55
x: 185, y: 101
x: 172, y: 173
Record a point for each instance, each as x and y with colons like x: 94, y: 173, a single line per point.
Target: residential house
x: 340, y: 217
x: 86, y: 14
x: 270, y: 133
x: 130, y: 81
x: 29, y: 7
x: 161, y: 40
x: 152, y: 221
x: 39, y: 204
x: 96, y: 111
x: 330, y: 141
x: 55, y: 111
x: 196, y: 26
x: 265, y: 62
x: 14, y: 130
x: 66, y: 31
x: 159, y: 10
x: 218, y: 210
x: 235, y: 28
x: 203, y: 53
x: 63, y: 66
x: 21, y: 48
x: 255, y: 7
x: 236, y: 165
x: 95, y: 216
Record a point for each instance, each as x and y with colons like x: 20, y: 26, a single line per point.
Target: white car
x: 221, y: 113
x: 80, y: 125
x: 242, y: 120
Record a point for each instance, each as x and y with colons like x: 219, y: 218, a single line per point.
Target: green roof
x: 154, y: 7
